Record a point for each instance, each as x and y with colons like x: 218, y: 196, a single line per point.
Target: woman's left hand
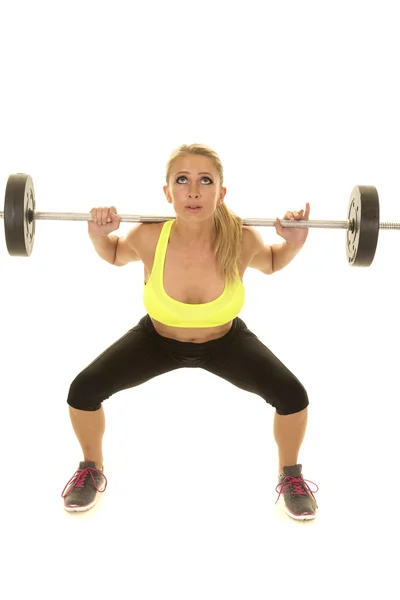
x: 294, y: 235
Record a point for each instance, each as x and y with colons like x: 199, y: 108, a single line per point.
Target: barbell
x: 362, y: 224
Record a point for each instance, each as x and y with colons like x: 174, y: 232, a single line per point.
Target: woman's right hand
x: 104, y: 221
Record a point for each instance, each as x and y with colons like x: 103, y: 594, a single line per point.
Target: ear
x: 167, y: 194
x: 221, y: 196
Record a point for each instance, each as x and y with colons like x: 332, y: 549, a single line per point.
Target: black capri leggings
x: 141, y: 354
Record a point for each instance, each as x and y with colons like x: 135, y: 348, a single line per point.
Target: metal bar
x: 256, y: 222
x: 389, y: 226
x: 52, y: 216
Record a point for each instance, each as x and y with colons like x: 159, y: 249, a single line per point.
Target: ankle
x: 98, y: 463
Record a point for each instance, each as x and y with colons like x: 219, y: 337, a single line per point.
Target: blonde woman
x: 193, y: 267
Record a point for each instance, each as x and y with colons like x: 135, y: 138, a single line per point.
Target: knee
x: 293, y: 400
x: 83, y: 394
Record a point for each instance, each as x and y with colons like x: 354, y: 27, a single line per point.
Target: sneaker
x: 299, y: 501
x: 80, y: 492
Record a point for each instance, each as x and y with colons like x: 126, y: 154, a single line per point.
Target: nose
x: 193, y: 193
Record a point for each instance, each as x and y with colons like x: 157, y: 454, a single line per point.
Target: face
x: 194, y: 188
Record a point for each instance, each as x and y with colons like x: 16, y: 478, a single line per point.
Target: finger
x: 104, y: 216
x: 280, y: 229
x: 114, y: 217
x: 307, y: 211
x: 100, y: 215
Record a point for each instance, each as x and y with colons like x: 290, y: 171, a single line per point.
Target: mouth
x: 193, y: 208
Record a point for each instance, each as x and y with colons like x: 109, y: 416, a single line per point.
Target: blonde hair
x: 228, y: 225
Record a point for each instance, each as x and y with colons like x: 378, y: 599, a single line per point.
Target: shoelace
x: 298, y: 484
x: 79, y: 477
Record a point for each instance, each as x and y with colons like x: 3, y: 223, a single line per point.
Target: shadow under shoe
x: 299, y: 501
x: 80, y: 493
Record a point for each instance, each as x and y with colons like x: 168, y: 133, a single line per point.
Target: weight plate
x: 19, y: 222
x: 362, y: 235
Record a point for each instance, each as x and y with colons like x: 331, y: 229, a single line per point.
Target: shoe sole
x: 76, y: 508
x: 304, y: 517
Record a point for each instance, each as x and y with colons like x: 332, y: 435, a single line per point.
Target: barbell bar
x: 362, y: 224
x: 58, y: 216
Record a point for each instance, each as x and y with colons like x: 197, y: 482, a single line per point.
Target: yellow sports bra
x: 166, y: 310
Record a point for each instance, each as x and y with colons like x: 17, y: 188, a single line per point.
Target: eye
x: 209, y: 181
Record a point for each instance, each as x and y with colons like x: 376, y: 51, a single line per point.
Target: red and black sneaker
x: 80, y: 493
x: 299, y: 501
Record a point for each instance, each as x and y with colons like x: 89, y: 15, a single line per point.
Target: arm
x: 270, y: 259
x: 105, y: 246
x: 115, y: 250
x: 118, y: 251
x: 127, y: 246
x: 283, y: 254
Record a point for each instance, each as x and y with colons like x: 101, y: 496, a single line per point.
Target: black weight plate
x: 19, y: 222
x: 362, y: 235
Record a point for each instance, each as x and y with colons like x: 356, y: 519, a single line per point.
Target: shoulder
x: 143, y: 237
x: 252, y: 241
x: 255, y: 253
x: 144, y: 233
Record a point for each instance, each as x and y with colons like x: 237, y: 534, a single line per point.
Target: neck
x: 194, y: 235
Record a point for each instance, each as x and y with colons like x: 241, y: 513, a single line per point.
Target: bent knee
x: 83, y: 394
x: 293, y: 400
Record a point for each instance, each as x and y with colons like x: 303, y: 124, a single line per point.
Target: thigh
x: 132, y: 360
x: 248, y: 364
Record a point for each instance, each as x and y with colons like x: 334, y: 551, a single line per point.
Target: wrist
x: 293, y: 245
x: 98, y: 236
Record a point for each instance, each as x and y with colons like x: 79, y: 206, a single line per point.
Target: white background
x: 301, y: 101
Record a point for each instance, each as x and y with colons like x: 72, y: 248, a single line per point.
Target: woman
x: 194, y: 266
